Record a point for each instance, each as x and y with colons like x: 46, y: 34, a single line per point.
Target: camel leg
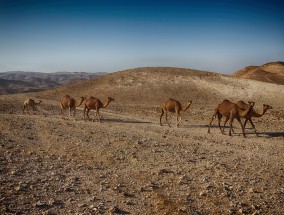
x: 74, y: 113
x: 84, y: 111
x: 231, y: 125
x: 98, y: 114
x: 161, y: 117
x: 243, y: 128
x: 226, y: 120
x: 219, y: 123
x: 211, y: 122
x: 88, y: 110
x: 70, y: 111
x: 252, y: 125
x: 24, y: 109
x: 62, y: 112
x: 178, y: 121
x: 166, y: 116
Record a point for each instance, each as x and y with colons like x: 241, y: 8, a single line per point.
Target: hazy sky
x: 108, y: 36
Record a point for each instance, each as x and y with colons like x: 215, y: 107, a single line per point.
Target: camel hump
x: 226, y: 100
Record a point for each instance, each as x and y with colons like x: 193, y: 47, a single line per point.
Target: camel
x: 30, y: 103
x: 173, y: 106
x: 243, y: 106
x: 93, y: 103
x: 70, y: 103
x: 253, y: 113
x: 231, y: 111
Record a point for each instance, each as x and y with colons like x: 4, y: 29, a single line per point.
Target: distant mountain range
x: 22, y: 82
x: 272, y: 72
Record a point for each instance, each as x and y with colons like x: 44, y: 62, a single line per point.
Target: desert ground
x: 128, y: 163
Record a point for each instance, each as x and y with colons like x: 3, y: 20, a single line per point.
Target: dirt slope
x: 129, y: 164
x: 270, y: 72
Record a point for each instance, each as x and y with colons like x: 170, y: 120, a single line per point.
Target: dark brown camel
x: 231, y: 111
x: 70, y: 103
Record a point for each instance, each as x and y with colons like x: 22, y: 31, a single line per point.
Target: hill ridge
x: 272, y: 72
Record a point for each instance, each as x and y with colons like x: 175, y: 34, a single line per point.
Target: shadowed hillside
x: 270, y: 72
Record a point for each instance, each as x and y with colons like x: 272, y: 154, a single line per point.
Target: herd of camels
x: 226, y: 109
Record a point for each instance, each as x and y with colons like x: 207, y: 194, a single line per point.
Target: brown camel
x: 70, y: 103
x: 30, y: 103
x: 243, y: 106
x: 173, y: 106
x: 231, y: 111
x: 93, y: 103
x: 253, y: 113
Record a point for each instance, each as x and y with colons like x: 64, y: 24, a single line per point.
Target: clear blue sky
x: 109, y: 36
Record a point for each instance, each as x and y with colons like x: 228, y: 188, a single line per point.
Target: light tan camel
x: 253, y: 113
x: 30, y: 103
x: 231, y: 111
x: 70, y: 103
x: 93, y: 103
x: 173, y: 106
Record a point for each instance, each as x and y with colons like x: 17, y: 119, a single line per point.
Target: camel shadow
x: 198, y: 126
x: 125, y: 121
x: 271, y: 134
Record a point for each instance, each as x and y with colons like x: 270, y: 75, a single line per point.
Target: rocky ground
x: 129, y: 164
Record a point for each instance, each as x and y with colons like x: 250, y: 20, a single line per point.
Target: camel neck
x: 256, y: 114
x: 81, y: 101
x: 245, y: 112
x: 186, y: 107
x: 106, y: 104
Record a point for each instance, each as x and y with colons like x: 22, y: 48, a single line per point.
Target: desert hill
x: 128, y: 163
x: 154, y: 85
x: 270, y: 72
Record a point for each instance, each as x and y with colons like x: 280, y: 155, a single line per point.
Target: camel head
x: 39, y: 101
x: 266, y: 107
x: 110, y: 99
x: 251, y: 103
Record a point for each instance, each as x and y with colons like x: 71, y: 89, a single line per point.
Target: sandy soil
x: 129, y: 164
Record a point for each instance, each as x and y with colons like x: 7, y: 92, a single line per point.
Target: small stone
x: 250, y: 190
x: 202, y: 193
x: 82, y: 205
x: 115, y: 209
x: 40, y: 204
